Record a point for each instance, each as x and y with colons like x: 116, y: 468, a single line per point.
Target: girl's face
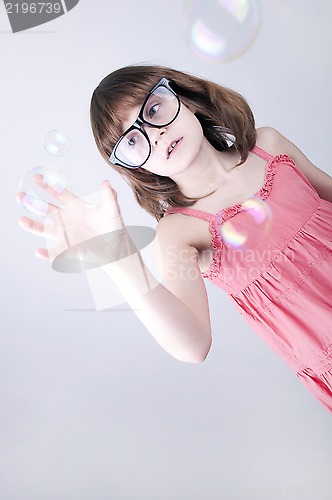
x: 174, y: 147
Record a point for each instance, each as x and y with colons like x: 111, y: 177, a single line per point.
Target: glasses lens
x: 133, y: 149
x: 161, y: 107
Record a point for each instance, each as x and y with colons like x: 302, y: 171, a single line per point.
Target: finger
x: 43, y: 254
x: 36, y: 205
x: 36, y: 227
x: 51, y: 185
x: 50, y: 254
x: 109, y: 196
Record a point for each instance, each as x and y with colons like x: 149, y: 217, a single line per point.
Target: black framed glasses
x: 160, y: 108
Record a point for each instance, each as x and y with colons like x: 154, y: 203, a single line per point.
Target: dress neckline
x: 225, y: 213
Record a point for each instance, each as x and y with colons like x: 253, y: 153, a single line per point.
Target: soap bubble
x: 56, y: 143
x: 34, y: 204
x: 35, y: 197
x: 250, y: 226
x: 220, y: 30
x: 52, y: 177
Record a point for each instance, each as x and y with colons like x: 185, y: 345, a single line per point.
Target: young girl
x: 190, y: 151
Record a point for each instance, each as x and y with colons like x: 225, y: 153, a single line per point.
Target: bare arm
x: 177, y: 314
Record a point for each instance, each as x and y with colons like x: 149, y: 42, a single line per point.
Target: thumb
x: 109, y: 195
x: 110, y: 199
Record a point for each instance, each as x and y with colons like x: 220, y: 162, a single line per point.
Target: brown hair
x: 218, y: 109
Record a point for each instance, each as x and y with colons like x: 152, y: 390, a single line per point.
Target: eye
x: 153, y: 110
x: 132, y: 141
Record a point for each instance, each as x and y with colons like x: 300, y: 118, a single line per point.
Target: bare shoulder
x: 272, y: 141
x: 173, y: 228
x: 275, y: 143
x: 174, y: 239
x: 269, y: 139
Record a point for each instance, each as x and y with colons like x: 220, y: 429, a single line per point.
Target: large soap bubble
x: 220, y: 30
x: 35, y: 198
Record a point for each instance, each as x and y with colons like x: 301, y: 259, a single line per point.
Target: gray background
x: 91, y: 407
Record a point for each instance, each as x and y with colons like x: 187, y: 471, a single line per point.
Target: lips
x: 172, y: 147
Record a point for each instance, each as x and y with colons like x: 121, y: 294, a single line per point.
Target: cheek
x: 192, y: 124
x: 198, y: 128
x: 194, y: 133
x: 156, y: 163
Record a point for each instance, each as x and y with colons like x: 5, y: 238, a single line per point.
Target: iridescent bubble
x: 34, y: 204
x: 251, y: 226
x: 56, y: 143
x: 52, y: 177
x: 36, y: 198
x: 220, y: 30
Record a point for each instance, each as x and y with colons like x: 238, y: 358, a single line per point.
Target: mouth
x: 174, y: 145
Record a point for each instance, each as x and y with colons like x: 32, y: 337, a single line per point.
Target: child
x: 190, y: 151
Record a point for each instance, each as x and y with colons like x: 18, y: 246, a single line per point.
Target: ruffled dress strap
x: 263, y: 154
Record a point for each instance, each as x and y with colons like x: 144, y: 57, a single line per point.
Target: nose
x: 155, y: 134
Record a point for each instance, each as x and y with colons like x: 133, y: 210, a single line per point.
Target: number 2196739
x: 33, y: 8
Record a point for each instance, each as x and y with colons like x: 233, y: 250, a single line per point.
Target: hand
x: 75, y: 222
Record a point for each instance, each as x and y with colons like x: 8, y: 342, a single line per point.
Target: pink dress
x: 281, y: 279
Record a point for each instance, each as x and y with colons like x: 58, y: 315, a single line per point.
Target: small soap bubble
x: 56, y: 143
x: 220, y: 30
x: 250, y: 227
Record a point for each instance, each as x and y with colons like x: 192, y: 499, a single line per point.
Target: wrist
x: 95, y: 252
